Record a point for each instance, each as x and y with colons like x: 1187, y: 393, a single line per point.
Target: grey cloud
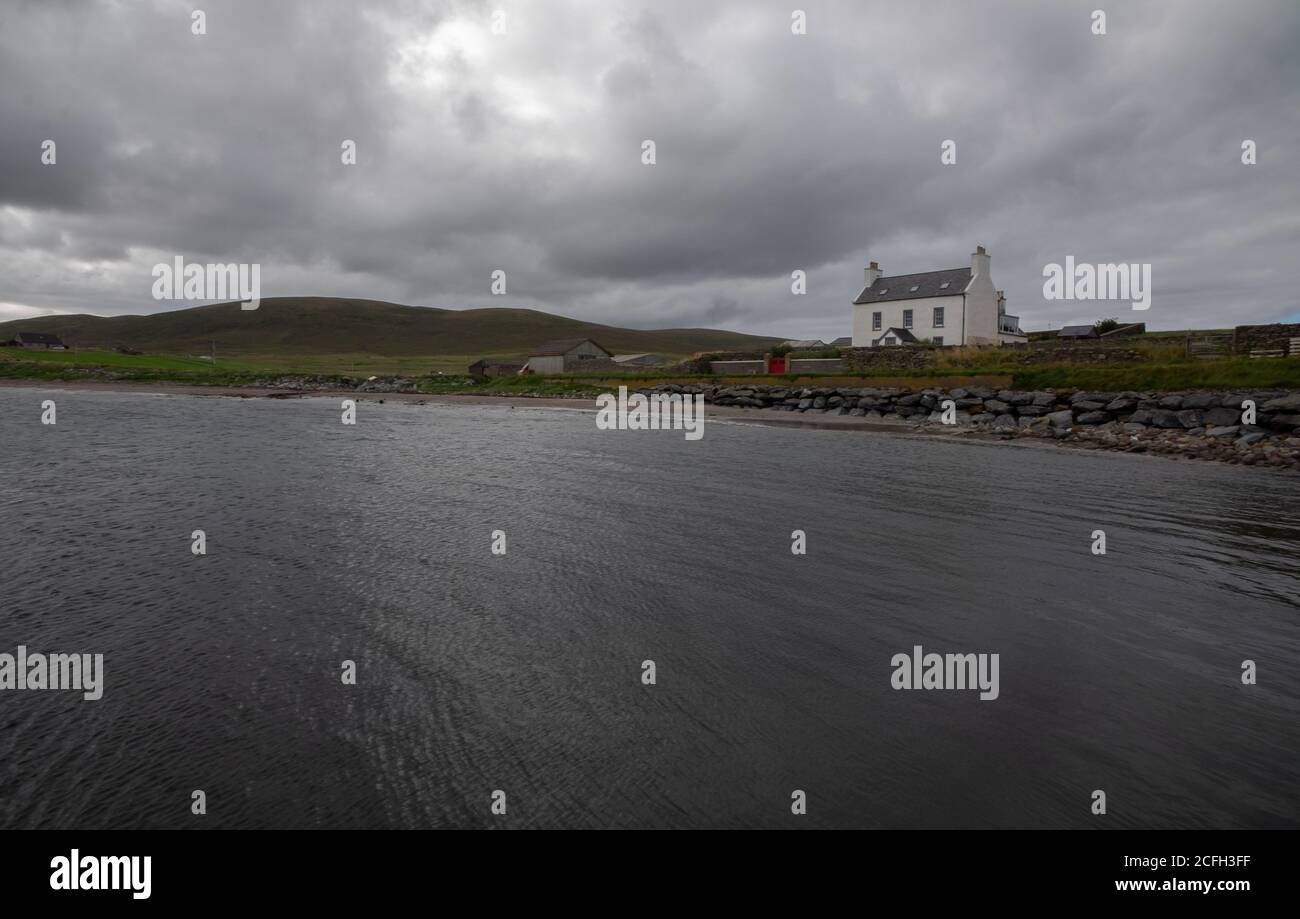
x: 775, y: 152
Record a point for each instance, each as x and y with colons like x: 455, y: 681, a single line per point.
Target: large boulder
x: 1173, y: 403
x: 1191, y: 418
x: 1102, y: 397
x: 997, y: 406
x: 1062, y: 419
x: 1222, y: 416
x: 1288, y: 404
x: 1093, y: 418
x: 1165, y: 418
x: 1200, y: 400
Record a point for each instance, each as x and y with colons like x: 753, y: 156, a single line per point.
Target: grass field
x: 1164, y: 368
x: 109, y: 359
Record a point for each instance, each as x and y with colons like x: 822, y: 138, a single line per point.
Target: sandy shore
x: 719, y: 412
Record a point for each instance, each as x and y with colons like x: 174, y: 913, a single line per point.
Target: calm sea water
x: 522, y: 673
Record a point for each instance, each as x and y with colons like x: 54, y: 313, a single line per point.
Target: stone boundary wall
x: 816, y: 365
x: 895, y: 358
x: 1275, y: 337
x: 733, y: 367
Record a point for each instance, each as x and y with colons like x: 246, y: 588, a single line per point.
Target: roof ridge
x: 914, y: 274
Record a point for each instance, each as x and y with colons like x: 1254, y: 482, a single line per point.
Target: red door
x: 776, y: 364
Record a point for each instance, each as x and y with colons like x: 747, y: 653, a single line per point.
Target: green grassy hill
x: 327, y: 325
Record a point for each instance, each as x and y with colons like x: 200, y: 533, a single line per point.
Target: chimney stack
x: 979, y: 263
x: 872, y: 272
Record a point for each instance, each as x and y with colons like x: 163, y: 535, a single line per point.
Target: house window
x: 875, y: 322
x: 938, y: 340
x: 938, y: 317
x: 891, y: 340
x: 907, y: 319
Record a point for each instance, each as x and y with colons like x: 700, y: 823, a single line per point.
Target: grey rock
x: 1004, y: 421
x: 1229, y: 430
x: 1191, y: 418
x: 1247, y: 439
x: 1288, y: 404
x: 1165, y: 418
x: 1200, y: 400
x: 1044, y: 399
x: 1134, y: 428
x: 1141, y: 416
x: 996, y: 406
x: 1102, y: 397
x: 1122, y: 403
x: 983, y: 417
x: 1171, y: 402
x: 1222, y: 416
x: 1093, y: 418
x: 1062, y: 419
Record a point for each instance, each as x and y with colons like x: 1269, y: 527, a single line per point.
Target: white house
x: 959, y: 306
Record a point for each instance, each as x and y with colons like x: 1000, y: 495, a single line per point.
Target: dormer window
x: 943, y: 286
x: 883, y: 291
x: 915, y: 288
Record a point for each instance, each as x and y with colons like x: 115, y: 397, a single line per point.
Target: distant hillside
x: 327, y: 325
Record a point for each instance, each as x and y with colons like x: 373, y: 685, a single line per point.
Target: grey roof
x: 843, y: 341
x: 804, y: 343
x: 495, y: 362
x: 1128, y: 328
x: 38, y: 338
x: 900, y: 334
x: 927, y: 284
x: 562, y: 346
x: 1077, y: 331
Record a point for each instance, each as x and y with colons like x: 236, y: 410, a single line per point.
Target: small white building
x: 957, y: 306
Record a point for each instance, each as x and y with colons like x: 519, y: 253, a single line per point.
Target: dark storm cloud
x: 775, y: 152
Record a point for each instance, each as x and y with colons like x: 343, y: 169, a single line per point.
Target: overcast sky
x: 775, y: 152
